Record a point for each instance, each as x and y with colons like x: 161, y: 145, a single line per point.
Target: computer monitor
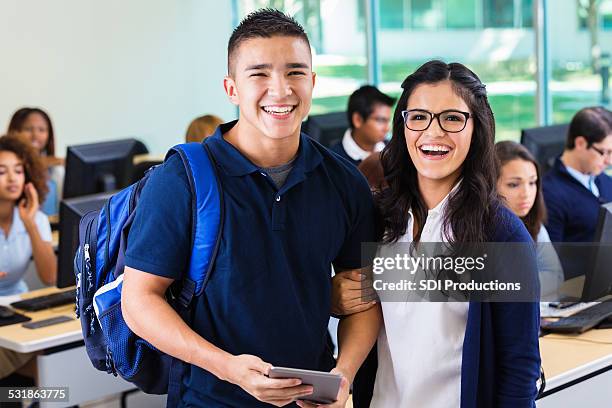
x: 598, y: 277
x: 545, y: 143
x: 71, y: 211
x: 99, y: 167
x: 326, y: 129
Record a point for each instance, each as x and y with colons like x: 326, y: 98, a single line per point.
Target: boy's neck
x: 362, y: 141
x: 261, y: 150
x: 570, y: 159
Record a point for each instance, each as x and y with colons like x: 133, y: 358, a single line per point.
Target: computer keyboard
x: 582, y: 321
x: 46, y: 302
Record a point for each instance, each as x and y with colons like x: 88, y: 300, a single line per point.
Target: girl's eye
x: 512, y: 185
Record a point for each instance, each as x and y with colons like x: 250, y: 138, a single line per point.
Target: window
x: 461, y: 14
x: 391, y: 14
x: 498, y: 13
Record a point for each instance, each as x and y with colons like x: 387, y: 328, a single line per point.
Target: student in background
x: 35, y: 125
x: 576, y: 186
x: 25, y: 232
x: 520, y: 184
x: 369, y: 115
x: 202, y: 127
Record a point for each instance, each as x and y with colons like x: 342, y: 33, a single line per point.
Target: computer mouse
x: 6, y: 312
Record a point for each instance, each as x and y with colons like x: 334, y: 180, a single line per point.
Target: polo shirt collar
x: 235, y: 164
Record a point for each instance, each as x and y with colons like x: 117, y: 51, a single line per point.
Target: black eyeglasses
x: 602, y: 152
x: 450, y: 120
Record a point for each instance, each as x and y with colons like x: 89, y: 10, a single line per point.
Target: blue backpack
x: 99, y: 263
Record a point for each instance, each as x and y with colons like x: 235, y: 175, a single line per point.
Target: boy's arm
x: 148, y: 314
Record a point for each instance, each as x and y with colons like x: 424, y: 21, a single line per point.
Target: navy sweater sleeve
x: 516, y: 326
x: 160, y: 237
x: 556, y: 221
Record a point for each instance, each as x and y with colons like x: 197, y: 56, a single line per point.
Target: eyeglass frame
x: 602, y: 153
x: 433, y: 116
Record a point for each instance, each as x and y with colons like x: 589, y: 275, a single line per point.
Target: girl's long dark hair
x: 471, y: 209
x: 507, y: 151
x: 18, y: 120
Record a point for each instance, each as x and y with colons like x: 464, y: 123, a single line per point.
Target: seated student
x: 369, y: 115
x: 24, y: 230
x: 35, y: 125
x: 202, y: 127
x: 520, y: 185
x: 576, y: 186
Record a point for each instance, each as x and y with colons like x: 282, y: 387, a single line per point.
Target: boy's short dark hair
x: 363, y: 101
x: 263, y: 23
x: 593, y: 123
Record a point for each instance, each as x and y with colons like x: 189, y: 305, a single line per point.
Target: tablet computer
x: 325, y: 385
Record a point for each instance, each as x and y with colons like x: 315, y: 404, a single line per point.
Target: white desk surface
x: 17, y: 338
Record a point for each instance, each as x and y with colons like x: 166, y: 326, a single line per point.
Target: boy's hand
x: 351, y: 293
x: 250, y: 374
x: 341, y: 399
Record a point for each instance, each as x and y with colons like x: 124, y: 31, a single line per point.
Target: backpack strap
x: 207, y: 213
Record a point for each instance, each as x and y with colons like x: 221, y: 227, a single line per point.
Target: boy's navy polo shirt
x: 269, y: 294
x: 573, y: 211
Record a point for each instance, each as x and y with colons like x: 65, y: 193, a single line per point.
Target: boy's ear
x: 230, y: 89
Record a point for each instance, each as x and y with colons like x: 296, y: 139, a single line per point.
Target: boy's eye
x: 296, y: 73
x: 258, y: 74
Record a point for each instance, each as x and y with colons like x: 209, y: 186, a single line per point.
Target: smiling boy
x: 291, y: 210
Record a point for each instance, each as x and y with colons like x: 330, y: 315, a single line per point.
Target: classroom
x: 306, y: 203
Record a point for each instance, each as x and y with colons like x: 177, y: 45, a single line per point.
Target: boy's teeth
x: 274, y: 109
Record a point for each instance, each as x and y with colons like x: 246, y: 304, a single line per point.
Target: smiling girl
x: 440, y: 169
x: 24, y: 230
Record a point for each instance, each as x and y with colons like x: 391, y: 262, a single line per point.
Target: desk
x: 61, y: 366
x: 578, y: 369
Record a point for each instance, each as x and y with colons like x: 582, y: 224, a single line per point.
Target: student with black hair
x: 34, y: 125
x: 441, y: 176
x: 369, y: 115
x: 576, y: 186
x: 291, y: 210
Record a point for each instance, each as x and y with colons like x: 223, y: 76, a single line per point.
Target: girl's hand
x: 29, y: 205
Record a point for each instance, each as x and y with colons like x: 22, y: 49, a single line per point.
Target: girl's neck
x: 434, y: 191
x: 6, y: 215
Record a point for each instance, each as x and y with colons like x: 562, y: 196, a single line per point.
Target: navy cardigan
x: 501, y: 355
x: 572, y: 209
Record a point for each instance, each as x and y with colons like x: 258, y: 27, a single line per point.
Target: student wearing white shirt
x: 519, y: 183
x: 369, y: 114
x: 440, y: 169
x: 24, y: 230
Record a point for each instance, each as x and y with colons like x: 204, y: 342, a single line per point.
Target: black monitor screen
x: 99, y: 167
x: 328, y: 128
x: 598, y: 279
x: 71, y: 211
x: 545, y: 143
